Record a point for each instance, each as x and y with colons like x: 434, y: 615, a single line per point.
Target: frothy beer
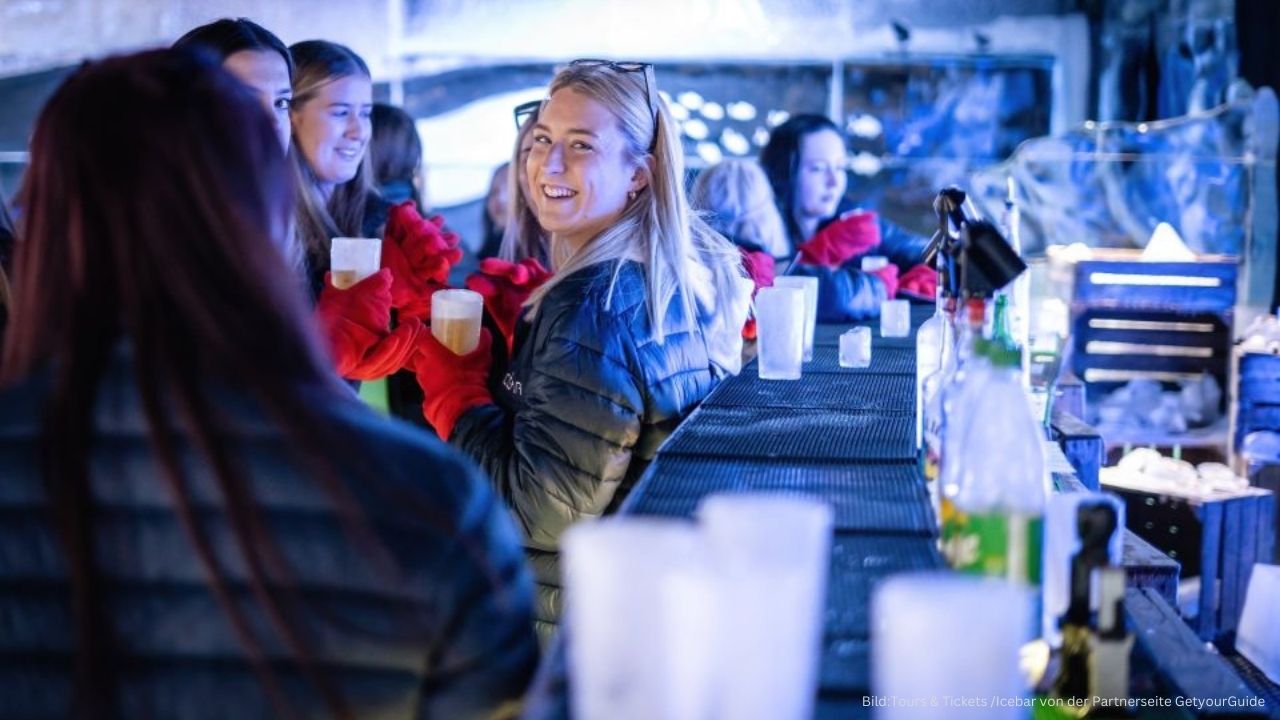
x: 352, y: 260
x: 455, y: 319
x: 343, y: 279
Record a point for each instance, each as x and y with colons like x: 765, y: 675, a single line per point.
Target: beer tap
x: 970, y: 252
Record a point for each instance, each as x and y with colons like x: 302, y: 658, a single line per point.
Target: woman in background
x: 805, y: 161
x: 523, y: 237
x: 735, y: 199
x: 737, y: 202
x: 640, y: 321
x: 332, y: 105
x: 332, y: 127
x: 256, y: 57
x: 395, y: 151
x: 224, y: 531
x: 496, y: 205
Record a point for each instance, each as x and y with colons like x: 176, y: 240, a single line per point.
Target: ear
x: 640, y: 178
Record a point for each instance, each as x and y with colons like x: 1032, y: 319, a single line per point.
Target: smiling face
x: 820, y: 179
x: 578, y: 170
x: 332, y: 129
x: 265, y: 72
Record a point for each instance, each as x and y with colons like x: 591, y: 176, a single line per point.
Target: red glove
x: 451, y: 384
x: 889, y: 276
x: 760, y: 268
x: 505, y: 286
x: 854, y: 233
x: 354, y: 322
x: 420, y: 254
x: 920, y: 281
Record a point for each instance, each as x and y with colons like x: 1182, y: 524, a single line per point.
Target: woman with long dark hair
x: 395, y: 152
x: 257, y: 58
x: 332, y: 127
x: 200, y: 521
x: 805, y: 161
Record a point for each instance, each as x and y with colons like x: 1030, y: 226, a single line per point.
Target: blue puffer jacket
x: 846, y: 293
x: 449, y: 637
x: 587, y: 400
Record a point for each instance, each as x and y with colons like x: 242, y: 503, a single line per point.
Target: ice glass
x: 640, y: 617
x: 895, y: 318
x: 810, y: 287
x: 771, y: 554
x: 780, y: 332
x: 353, y: 259
x: 855, y: 347
x: 940, y: 638
x: 455, y: 319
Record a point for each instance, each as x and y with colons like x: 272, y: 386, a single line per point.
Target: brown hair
x: 228, y: 36
x: 317, y: 63
x: 395, y: 151
x: 154, y: 205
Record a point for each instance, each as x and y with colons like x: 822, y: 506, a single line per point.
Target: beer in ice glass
x: 455, y: 319
x: 353, y: 259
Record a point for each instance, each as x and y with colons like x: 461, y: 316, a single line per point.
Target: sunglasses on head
x: 526, y: 110
x: 650, y: 84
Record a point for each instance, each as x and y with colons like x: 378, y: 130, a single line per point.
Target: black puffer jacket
x: 587, y: 400
x: 460, y: 574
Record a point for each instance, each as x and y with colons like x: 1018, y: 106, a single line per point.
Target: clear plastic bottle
x: 994, y: 483
x: 929, y: 350
x: 958, y: 337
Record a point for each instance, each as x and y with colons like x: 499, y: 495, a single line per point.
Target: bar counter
x: 848, y: 436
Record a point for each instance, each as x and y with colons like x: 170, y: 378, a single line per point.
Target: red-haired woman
x: 198, y: 520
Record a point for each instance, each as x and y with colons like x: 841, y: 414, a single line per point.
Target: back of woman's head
x: 228, y: 36
x: 152, y: 209
x: 683, y: 258
x: 395, y: 150
x: 780, y: 158
x: 737, y: 201
x: 318, y: 63
x: 155, y: 207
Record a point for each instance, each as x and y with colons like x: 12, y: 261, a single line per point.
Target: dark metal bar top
x: 846, y: 435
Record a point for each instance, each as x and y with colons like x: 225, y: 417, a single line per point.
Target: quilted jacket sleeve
x: 563, y: 455
x: 903, y: 247
x: 489, y: 653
